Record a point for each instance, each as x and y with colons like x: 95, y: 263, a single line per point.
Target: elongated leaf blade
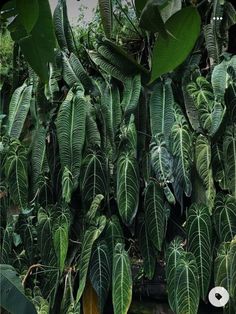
x: 199, y: 239
x: 121, y: 280
x: 100, y: 272
x: 155, y: 218
x: 127, y: 187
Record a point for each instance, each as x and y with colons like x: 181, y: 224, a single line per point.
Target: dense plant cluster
x: 121, y: 149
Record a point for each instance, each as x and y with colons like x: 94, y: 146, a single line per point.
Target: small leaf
x: 168, y: 53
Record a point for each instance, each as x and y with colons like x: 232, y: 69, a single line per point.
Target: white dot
x: 217, y: 18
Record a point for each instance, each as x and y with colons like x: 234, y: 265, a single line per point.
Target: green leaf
x: 12, y: 296
x: 204, y: 169
x: 225, y: 217
x: 92, y: 212
x: 38, y: 157
x: 94, y: 176
x: 199, y: 242
x: 181, y: 140
x: 173, y: 254
x: 71, y: 132
x: 155, y: 216
x: 90, y: 236
x: 225, y: 272
x: 210, y: 110
x: 18, y: 110
x: 113, y: 233
x: 139, y: 5
x: 28, y: 12
x: 17, y: 174
x: 38, y: 46
x: 100, y: 271
x: 186, y: 285
x: 146, y: 248
x: 229, y: 154
x: 127, y: 185
x: 218, y: 166
x: 151, y: 19
x: 121, y: 280
x: 105, y: 7
x: 184, y: 27
x: 162, y: 164
x: 61, y: 240
x: 161, y: 109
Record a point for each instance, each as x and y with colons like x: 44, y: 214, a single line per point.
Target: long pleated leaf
x: 90, y: 236
x: 161, y: 109
x: 204, y: 169
x: 71, y: 132
x: 105, y: 7
x: 18, y: 110
x: 229, y: 154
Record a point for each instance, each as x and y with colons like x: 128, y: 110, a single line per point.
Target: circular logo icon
x: 218, y: 296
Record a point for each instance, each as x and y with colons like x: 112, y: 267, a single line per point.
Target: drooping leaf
x: 17, y: 174
x: 121, y: 280
x: 105, y: 7
x: 225, y: 217
x: 127, y: 185
x: 225, y: 272
x: 71, y: 132
x: 18, y: 110
x: 155, y: 216
x: 218, y: 166
x: 12, y: 295
x: 61, y: 239
x: 181, y: 144
x: 186, y: 284
x: 204, y: 169
x: 229, y: 154
x: 184, y: 28
x: 113, y: 233
x: 199, y: 242
x: 100, y: 271
x: 162, y: 164
x: 161, y: 109
x: 146, y: 248
x: 173, y: 254
x: 93, y: 179
x: 90, y: 236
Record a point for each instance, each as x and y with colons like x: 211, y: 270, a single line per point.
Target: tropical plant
x: 128, y: 135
